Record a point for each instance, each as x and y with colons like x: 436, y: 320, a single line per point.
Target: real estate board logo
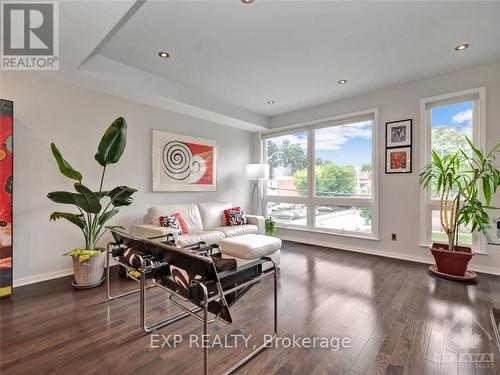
x: 466, y: 334
x: 30, y: 35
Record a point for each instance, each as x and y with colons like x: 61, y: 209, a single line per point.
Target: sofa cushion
x: 189, y: 213
x: 212, y: 214
x: 210, y: 237
x: 231, y: 231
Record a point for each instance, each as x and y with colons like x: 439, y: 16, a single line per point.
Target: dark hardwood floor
x: 399, y: 318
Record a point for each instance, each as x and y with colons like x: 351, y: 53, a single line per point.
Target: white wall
x: 46, y: 110
x: 399, y: 194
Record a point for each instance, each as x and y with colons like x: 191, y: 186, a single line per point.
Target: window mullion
x: 311, y: 218
x: 340, y: 201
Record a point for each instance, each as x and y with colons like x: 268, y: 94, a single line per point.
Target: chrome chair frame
x: 143, y: 270
x: 221, y: 294
x: 193, y: 311
x: 110, y: 251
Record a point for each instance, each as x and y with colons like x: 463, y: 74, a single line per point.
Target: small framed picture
x: 398, y: 133
x: 398, y: 160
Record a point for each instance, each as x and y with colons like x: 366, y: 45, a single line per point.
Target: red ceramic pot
x: 451, y: 262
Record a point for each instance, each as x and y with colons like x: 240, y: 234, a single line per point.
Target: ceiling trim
x: 107, y: 75
x: 133, y: 9
x: 82, y: 65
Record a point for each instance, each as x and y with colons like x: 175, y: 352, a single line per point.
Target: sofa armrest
x: 260, y: 221
x: 148, y: 231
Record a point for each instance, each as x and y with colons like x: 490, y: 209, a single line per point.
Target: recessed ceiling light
x: 461, y: 47
x: 163, y: 55
x: 342, y: 82
x: 269, y: 101
x: 247, y: 1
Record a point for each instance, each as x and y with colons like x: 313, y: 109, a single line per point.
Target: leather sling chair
x: 190, y: 277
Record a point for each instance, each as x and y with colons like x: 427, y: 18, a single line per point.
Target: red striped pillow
x: 180, y: 220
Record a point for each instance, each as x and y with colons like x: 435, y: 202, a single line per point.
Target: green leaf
x: 475, y: 149
x: 88, y: 200
x: 112, y: 143
x: 491, y: 207
x: 64, y: 197
x: 64, y: 166
x: 496, y: 179
x: 439, y: 184
x: 121, y: 196
x: 102, y: 194
x: 73, y: 218
x: 487, y: 190
x: 107, y: 216
x: 82, y: 254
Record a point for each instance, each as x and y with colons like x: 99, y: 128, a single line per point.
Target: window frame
x: 478, y: 98
x: 311, y: 201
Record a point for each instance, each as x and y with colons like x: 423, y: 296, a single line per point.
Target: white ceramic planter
x: 90, y: 272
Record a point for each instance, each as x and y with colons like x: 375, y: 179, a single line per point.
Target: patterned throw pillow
x: 237, y: 217
x: 171, y: 221
x: 180, y: 219
x: 226, y: 213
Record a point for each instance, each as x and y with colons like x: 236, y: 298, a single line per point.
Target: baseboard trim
x: 48, y: 276
x: 42, y: 277
x: 356, y: 249
x: 363, y: 250
x: 482, y: 269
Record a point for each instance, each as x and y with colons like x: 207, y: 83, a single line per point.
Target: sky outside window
x: 450, y: 124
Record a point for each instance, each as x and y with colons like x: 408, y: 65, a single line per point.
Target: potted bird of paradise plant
x: 466, y: 181
x: 94, y: 207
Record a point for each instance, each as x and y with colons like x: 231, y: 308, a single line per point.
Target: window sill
x: 334, y: 233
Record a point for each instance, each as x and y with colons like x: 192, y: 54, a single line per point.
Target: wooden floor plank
x: 394, y: 312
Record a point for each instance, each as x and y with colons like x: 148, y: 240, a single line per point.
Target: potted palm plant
x: 94, y: 208
x: 465, y: 181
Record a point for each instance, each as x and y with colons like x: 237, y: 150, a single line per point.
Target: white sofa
x: 204, y: 221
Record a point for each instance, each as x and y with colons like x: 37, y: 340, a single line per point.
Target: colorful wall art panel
x: 183, y: 163
x: 6, y: 166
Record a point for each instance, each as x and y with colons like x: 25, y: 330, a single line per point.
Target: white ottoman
x: 251, y: 246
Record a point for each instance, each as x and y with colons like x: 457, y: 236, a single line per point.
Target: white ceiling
x: 294, y: 52
x: 228, y: 58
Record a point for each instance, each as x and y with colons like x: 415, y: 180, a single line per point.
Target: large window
x: 322, y: 176
x: 447, y: 121
x: 287, y: 158
x: 356, y: 219
x: 343, y: 160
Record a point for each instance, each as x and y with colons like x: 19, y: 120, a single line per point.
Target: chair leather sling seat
x: 183, y: 270
x: 190, y: 275
x: 184, y: 266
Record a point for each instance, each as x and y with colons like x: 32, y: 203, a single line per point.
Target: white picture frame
x: 183, y: 163
x: 398, y: 133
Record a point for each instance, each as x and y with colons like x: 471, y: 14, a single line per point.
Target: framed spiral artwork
x: 183, y: 163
